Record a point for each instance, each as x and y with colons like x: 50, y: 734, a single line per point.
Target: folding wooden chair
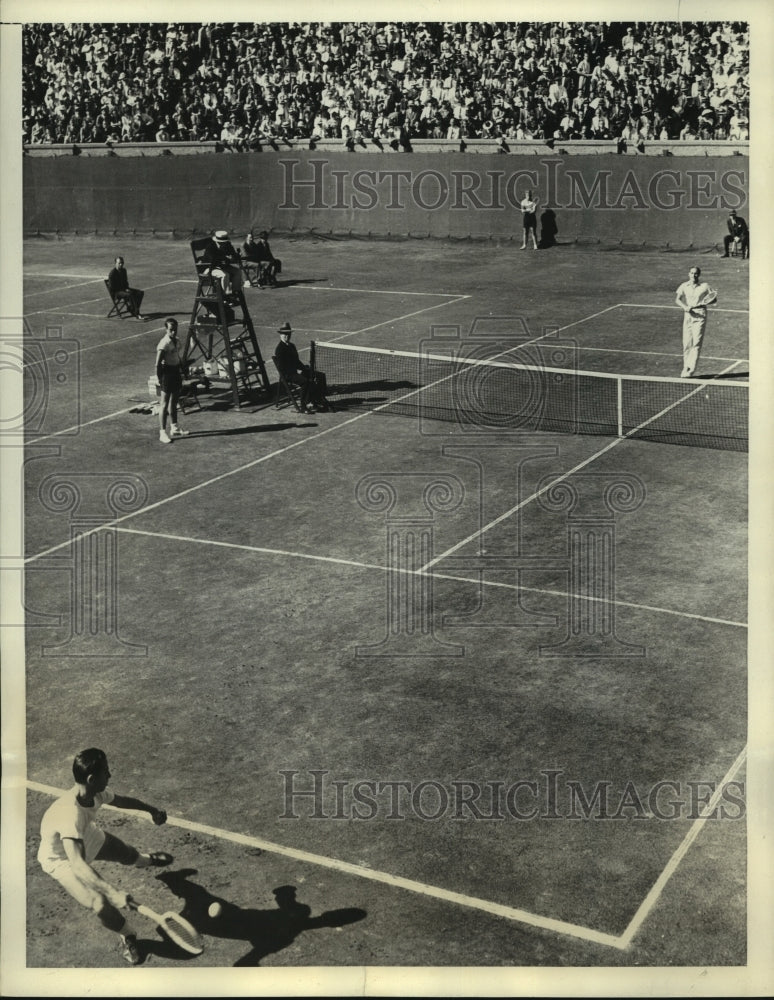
x: 251, y: 269
x: 121, y: 307
x: 286, y: 391
x: 206, y: 280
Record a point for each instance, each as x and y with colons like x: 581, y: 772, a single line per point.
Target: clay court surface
x: 252, y: 586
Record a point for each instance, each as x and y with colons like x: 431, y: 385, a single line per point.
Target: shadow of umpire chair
x: 221, y: 343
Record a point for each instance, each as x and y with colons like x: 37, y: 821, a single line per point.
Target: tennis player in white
x: 70, y: 842
x: 693, y: 297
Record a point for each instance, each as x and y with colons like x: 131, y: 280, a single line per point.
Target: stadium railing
x: 721, y: 147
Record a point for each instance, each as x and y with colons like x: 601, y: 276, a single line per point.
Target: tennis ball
x: 215, y: 909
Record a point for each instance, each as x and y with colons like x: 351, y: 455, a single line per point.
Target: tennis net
x: 485, y: 395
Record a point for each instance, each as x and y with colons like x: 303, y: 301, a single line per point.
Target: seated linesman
x: 118, y: 283
x: 259, y: 252
x: 295, y: 372
x: 737, y: 230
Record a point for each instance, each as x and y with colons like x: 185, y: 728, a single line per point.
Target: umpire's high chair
x: 220, y: 344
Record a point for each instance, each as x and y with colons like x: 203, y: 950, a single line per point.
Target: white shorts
x: 111, y: 849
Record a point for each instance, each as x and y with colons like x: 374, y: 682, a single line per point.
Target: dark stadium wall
x: 634, y: 199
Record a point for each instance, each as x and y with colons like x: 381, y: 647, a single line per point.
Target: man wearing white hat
x: 224, y: 261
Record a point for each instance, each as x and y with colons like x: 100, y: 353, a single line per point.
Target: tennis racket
x: 177, y: 928
x: 707, y: 297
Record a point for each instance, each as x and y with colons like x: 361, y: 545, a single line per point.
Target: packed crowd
x: 247, y: 85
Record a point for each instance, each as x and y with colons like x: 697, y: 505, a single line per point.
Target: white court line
x: 257, y: 461
x: 380, y: 291
x: 644, y: 305
x: 209, y: 482
x: 61, y: 312
x: 313, y: 437
x: 657, y: 354
x: 53, y: 311
x: 364, y: 291
x: 60, y: 274
x: 652, y: 897
x: 561, y: 329
x: 385, y: 878
x: 58, y: 288
x: 107, y: 416
x: 397, y: 319
x: 356, y: 564
x: 618, y: 350
x: 559, y: 479
x: 77, y: 427
x: 146, y: 328
x: 84, y: 302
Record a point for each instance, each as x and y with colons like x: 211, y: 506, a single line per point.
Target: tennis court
x: 403, y: 681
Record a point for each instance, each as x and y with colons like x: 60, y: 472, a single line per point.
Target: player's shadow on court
x: 346, y: 398
x: 289, y: 282
x: 251, y: 429
x: 724, y: 375
x: 265, y: 931
x: 375, y: 385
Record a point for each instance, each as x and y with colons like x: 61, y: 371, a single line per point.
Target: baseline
x: 651, y: 899
x: 386, y: 878
x: 661, y: 305
x: 659, y: 354
x: 620, y: 942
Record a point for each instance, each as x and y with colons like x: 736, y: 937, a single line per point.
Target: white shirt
x: 67, y: 819
x: 697, y: 296
x: 170, y: 350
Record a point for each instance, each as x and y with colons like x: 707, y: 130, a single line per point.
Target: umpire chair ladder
x: 218, y: 336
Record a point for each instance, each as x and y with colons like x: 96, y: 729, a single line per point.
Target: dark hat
x: 732, y: 212
x: 263, y: 233
x: 285, y: 328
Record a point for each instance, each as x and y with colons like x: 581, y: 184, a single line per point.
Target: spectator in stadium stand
x: 187, y: 80
x: 231, y: 135
x: 737, y: 230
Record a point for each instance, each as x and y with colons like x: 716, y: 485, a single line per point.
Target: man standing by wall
x: 737, y: 230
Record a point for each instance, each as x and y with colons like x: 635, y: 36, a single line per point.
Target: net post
x: 619, y: 387
x: 312, y: 350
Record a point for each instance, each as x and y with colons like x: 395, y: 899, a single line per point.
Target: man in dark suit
x: 259, y: 252
x: 737, y: 230
x: 293, y: 370
x: 224, y: 262
x: 118, y: 282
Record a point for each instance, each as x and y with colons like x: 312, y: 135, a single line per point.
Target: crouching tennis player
x: 70, y: 841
